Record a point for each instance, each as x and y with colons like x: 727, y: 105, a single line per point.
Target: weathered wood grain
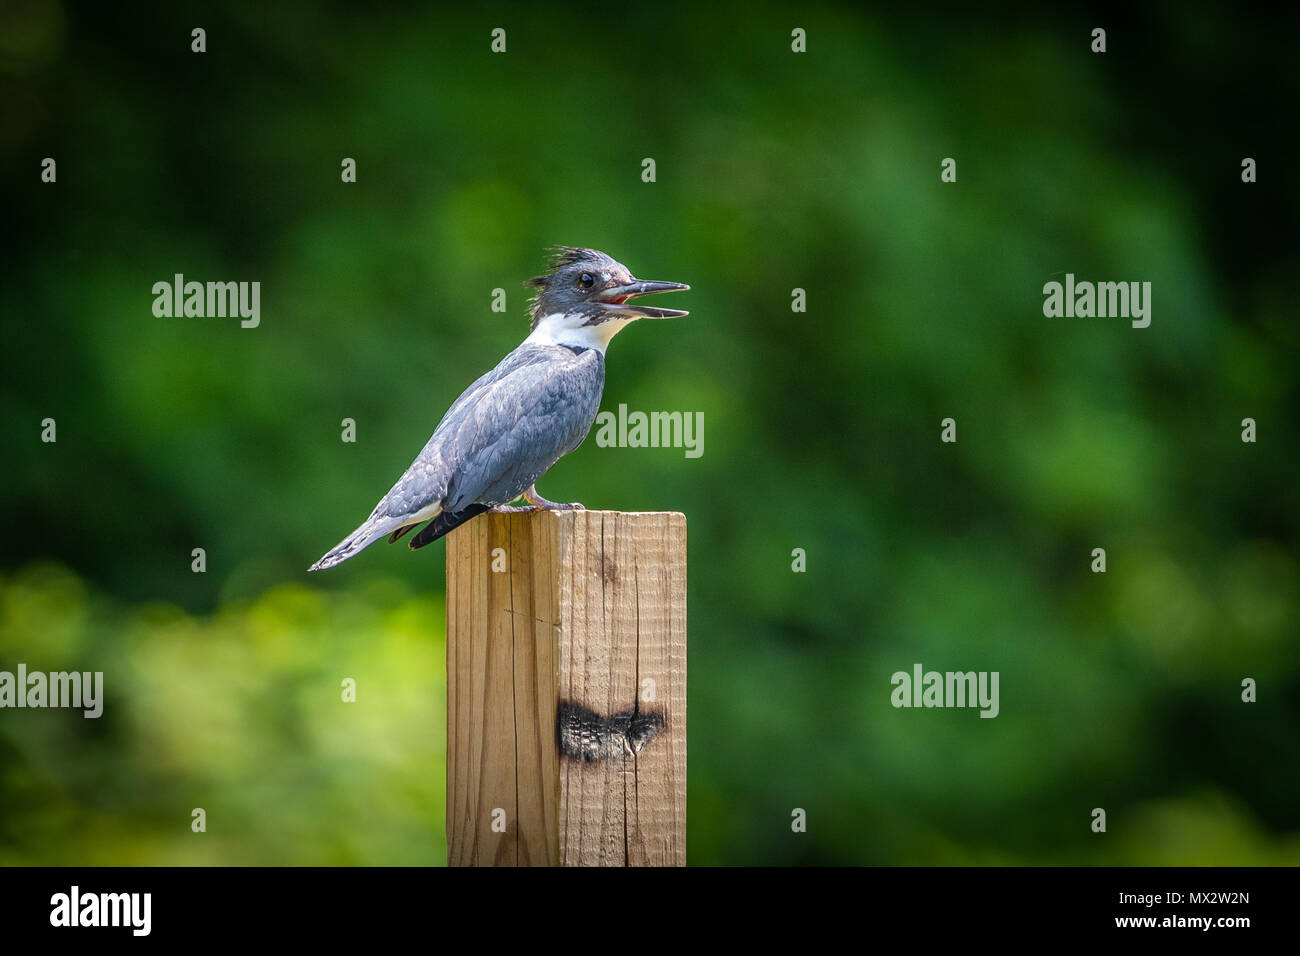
x: 590, y: 609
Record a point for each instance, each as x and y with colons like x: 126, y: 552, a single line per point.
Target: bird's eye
x: 587, y: 280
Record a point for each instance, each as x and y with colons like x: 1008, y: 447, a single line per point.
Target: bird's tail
x: 366, y: 535
x: 445, y: 522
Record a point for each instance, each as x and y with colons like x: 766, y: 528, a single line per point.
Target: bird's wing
x: 504, y: 431
x: 500, y: 436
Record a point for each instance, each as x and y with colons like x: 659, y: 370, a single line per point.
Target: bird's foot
x: 509, y: 509
x: 545, y: 504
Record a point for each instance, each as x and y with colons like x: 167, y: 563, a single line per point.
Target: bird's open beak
x: 615, y: 299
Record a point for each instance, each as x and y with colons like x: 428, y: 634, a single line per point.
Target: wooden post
x: 566, y: 690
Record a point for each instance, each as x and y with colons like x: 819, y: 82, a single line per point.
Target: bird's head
x: 585, y: 300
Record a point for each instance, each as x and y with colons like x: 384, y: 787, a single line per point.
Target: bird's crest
x: 561, y: 256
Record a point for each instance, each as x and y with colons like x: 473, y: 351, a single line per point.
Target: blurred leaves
x: 239, y: 713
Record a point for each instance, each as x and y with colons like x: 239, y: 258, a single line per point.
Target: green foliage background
x: 775, y: 171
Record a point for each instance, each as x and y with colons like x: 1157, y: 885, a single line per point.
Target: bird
x: 515, y: 422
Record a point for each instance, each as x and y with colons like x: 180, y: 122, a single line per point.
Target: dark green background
x: 775, y: 171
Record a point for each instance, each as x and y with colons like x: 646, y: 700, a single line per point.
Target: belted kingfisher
x: 508, y: 428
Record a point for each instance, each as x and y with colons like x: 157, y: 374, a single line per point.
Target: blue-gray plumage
x: 509, y: 427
